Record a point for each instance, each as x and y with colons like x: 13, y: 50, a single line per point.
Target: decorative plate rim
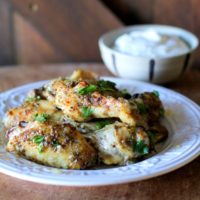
x: 112, y: 175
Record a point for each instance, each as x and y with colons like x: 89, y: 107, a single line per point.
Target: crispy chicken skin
x: 80, y: 74
x: 21, y: 128
x: 46, y: 91
x: 107, y: 104
x: 26, y: 112
x: 79, y: 121
x: 62, y: 145
x: 115, y: 143
x: 102, y: 105
x: 151, y: 105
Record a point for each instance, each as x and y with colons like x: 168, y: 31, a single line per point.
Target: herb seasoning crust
x: 80, y: 122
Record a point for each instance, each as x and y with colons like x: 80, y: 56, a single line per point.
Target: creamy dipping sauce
x: 150, y: 43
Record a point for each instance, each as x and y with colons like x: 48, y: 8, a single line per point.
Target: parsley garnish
x: 41, y: 118
x: 87, y: 90
x: 106, y: 86
x: 101, y: 86
x: 86, y: 112
x: 156, y: 93
x: 142, y: 108
x: 30, y: 99
x: 140, y: 147
x: 101, y: 124
x: 39, y: 139
x: 40, y: 148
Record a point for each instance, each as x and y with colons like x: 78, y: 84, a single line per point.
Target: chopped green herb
x: 101, y: 86
x: 101, y: 124
x: 87, y: 90
x: 106, y: 86
x: 40, y: 148
x: 30, y: 99
x: 140, y: 147
x: 39, y: 139
x: 86, y: 112
x: 41, y: 118
x: 142, y: 108
x: 156, y: 93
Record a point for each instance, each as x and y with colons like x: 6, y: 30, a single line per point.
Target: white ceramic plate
x: 183, y: 145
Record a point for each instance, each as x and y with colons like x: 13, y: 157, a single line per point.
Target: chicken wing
x: 149, y: 106
x: 74, y: 121
x: 61, y: 144
x: 27, y: 111
x: 57, y: 145
x: 118, y: 143
x: 95, y: 103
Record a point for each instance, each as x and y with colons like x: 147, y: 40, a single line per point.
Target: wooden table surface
x: 181, y: 184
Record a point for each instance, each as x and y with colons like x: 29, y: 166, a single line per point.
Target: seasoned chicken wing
x: 73, y: 122
x: 27, y: 112
x: 149, y: 105
x: 61, y: 144
x: 45, y: 92
x: 57, y: 145
x: 82, y: 101
x: 118, y: 143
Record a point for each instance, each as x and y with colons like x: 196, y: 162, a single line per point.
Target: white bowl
x: 157, y: 70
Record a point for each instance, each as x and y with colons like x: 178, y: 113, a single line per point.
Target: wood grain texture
x: 68, y: 28
x: 7, y: 53
x: 31, y: 46
x: 181, y: 184
x: 43, y: 31
x: 173, y: 13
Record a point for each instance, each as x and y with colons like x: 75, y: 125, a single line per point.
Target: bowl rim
x: 102, y: 43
